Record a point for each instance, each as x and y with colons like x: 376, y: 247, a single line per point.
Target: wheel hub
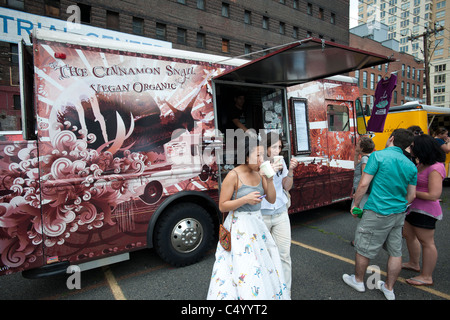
x: 187, y: 235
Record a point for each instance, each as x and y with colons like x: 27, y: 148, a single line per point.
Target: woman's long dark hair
x: 427, y: 150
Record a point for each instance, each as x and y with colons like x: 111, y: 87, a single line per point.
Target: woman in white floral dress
x: 252, y: 269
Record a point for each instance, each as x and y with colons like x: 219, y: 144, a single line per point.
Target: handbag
x: 224, y: 234
x: 225, y: 238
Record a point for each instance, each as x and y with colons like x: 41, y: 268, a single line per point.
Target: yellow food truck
x: 427, y: 117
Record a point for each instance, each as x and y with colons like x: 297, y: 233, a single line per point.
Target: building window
x: 201, y: 4
x: 181, y: 1
x: 112, y: 20
x: 225, y: 45
x: 138, y: 26
x: 161, y: 30
x: 372, y: 81
x: 295, y: 32
x: 308, y: 34
x: 295, y: 5
x: 333, y: 18
x: 201, y: 40
x: 282, y: 28
x: 265, y: 23
x: 14, y: 52
x: 321, y: 15
x: 85, y: 12
x: 247, y: 49
x: 52, y: 8
x: 365, y: 79
x: 225, y: 10
x: 247, y: 17
x: 16, y: 101
x: 15, y: 4
x: 181, y: 36
x: 309, y: 9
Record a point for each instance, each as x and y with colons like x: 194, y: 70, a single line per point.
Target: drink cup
x: 266, y: 169
x: 277, y: 159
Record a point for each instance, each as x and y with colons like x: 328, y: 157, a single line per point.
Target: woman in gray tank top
x: 252, y: 269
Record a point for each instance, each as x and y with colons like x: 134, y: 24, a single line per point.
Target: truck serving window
x: 338, y: 118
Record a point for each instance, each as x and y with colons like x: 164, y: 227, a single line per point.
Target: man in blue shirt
x: 392, y: 178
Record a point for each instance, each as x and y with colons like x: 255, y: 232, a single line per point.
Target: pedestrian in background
x: 393, y: 180
x: 276, y: 215
x: 425, y: 210
x: 364, y: 148
x: 441, y: 136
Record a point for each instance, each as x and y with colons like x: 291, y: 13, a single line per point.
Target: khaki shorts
x: 375, y: 231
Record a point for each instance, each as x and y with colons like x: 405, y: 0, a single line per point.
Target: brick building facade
x: 408, y: 70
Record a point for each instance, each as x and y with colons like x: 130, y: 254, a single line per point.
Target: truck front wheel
x: 183, y: 234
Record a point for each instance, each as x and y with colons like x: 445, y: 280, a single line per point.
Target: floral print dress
x: 252, y: 269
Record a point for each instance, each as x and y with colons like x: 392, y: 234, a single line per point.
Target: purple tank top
x: 383, y: 95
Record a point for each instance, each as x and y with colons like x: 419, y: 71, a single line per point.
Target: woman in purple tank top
x: 425, y: 210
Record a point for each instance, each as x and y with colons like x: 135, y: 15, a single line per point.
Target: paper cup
x: 266, y: 169
x: 277, y: 159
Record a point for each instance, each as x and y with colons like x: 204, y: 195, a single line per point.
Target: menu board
x: 299, y: 112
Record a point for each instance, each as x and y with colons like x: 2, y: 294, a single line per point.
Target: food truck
x: 120, y: 146
x: 413, y: 113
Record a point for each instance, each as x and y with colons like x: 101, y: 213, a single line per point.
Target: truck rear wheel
x: 183, y: 234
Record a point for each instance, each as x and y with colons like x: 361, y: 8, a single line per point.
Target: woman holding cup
x: 252, y: 268
x: 275, y: 214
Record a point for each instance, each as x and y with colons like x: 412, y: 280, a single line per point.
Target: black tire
x: 183, y: 234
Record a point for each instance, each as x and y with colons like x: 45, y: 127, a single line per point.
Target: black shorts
x: 420, y: 220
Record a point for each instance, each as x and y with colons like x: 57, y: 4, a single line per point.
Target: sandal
x: 418, y: 282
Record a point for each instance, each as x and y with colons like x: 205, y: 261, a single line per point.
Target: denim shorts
x: 375, y: 231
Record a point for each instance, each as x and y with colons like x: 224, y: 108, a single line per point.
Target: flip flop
x: 409, y: 268
x: 418, y: 282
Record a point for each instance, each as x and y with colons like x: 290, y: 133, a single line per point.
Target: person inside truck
x: 236, y: 117
x: 441, y: 136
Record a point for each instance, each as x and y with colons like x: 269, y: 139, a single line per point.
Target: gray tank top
x: 245, y: 189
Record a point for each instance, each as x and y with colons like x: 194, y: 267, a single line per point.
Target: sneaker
x: 351, y: 281
x: 389, y: 294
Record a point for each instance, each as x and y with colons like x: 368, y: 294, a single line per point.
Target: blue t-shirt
x: 392, y: 173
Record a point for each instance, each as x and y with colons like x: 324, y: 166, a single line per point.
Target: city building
x: 409, y: 21
x: 407, y: 68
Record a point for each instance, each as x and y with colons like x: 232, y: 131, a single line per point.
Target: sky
x: 353, y: 13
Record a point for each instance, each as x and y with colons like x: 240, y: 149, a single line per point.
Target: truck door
x: 341, y: 148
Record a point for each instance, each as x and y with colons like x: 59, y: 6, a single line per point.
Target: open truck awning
x: 303, y: 61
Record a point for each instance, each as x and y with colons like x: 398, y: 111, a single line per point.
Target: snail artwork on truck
x: 122, y: 146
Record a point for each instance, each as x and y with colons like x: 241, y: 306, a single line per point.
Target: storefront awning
x: 303, y: 61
